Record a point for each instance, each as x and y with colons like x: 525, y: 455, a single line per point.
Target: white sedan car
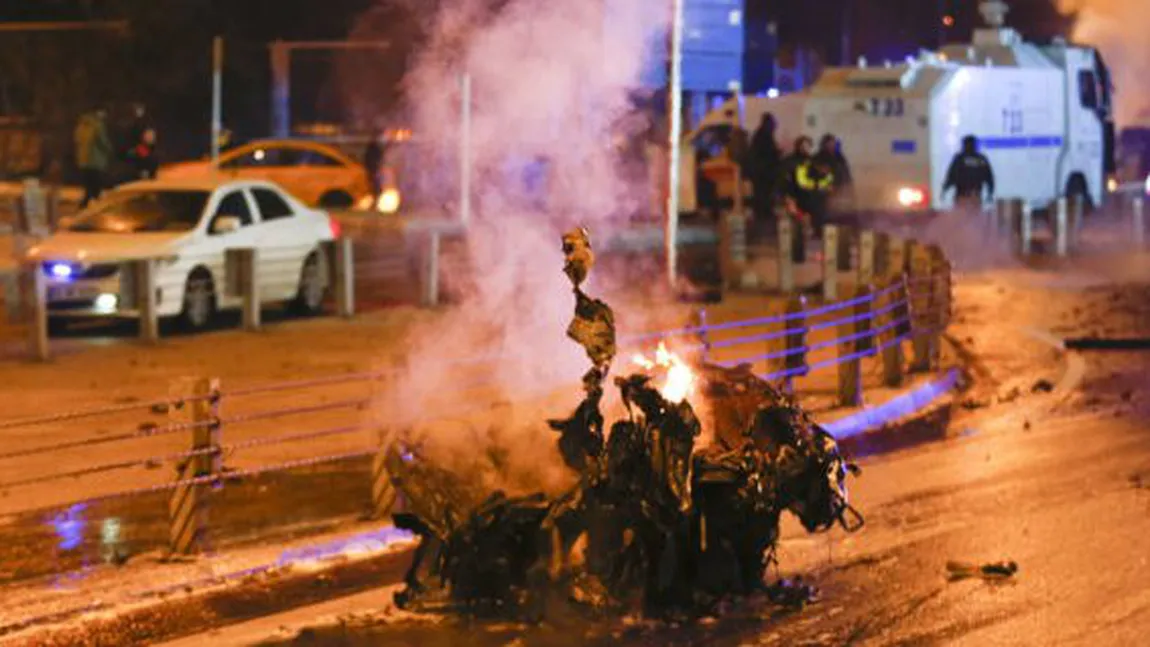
x: 187, y: 226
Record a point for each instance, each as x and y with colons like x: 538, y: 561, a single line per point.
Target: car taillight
x: 336, y: 229
x: 909, y: 196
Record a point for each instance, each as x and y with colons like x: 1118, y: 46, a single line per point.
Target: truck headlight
x: 106, y: 302
x: 909, y: 196
x: 388, y: 201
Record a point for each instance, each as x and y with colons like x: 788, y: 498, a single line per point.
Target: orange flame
x: 680, y: 380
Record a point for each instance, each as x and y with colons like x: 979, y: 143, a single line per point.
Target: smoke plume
x: 550, y: 90
x: 1118, y: 29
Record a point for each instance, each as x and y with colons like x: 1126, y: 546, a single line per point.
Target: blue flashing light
x: 61, y: 270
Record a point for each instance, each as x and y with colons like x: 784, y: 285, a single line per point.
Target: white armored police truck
x: 1041, y: 114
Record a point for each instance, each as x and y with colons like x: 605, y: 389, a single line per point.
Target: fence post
x: 1138, y: 220
x: 383, y: 493
x: 850, y: 364
x: 13, y: 295
x: 794, y: 343
x: 922, y: 302
x: 343, y: 262
x: 868, y: 248
x: 786, y: 228
x: 892, y: 355
x: 704, y: 338
x: 898, y: 257
x: 188, y: 506
x: 430, y: 268
x: 881, y: 262
x: 1004, y: 216
x: 847, y: 238
x: 1061, y: 227
x: 830, y: 263
x: 243, y: 281
x: 144, y: 298
x: 37, y: 294
x: 942, y: 283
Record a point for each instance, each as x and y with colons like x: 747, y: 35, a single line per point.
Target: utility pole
x: 217, y: 97
x: 846, y: 37
x: 675, y: 117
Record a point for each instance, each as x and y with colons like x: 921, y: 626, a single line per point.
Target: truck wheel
x: 199, y: 300
x: 1077, y: 189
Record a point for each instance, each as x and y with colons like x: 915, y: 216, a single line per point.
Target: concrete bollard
x: 868, y: 244
x: 831, y: 235
x: 430, y: 271
x: 881, y: 254
x: 786, y: 230
x: 892, y: 355
x: 343, y: 273
x: 188, y: 505
x: 1138, y: 220
x: 850, y: 381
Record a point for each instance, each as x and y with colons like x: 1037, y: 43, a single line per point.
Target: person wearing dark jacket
x: 831, y: 156
x: 764, y: 166
x: 969, y: 174
x: 807, y: 186
x: 142, y: 156
x: 373, y: 163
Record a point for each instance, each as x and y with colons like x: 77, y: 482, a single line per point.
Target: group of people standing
x: 804, y: 182
x: 97, y: 153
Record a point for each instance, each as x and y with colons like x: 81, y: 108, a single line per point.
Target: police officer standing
x: 969, y: 174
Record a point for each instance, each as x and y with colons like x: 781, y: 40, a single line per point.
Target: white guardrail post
x: 922, y: 300
x: 430, y: 270
x: 1138, y: 220
x: 786, y: 229
x: 1061, y: 225
x: 868, y: 257
x: 1026, y: 229
x: 138, y: 291
x: 831, y: 235
x: 242, y: 278
x: 893, y: 358
x: 188, y: 505
x: 343, y: 264
x: 36, y: 303
x: 850, y: 365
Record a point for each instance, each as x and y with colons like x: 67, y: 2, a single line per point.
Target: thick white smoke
x: 1118, y: 29
x: 549, y: 83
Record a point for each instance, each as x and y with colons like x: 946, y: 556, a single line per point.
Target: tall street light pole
x: 675, y: 115
x: 217, y: 97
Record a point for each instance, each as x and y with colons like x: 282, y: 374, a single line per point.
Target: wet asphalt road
x: 1057, y: 480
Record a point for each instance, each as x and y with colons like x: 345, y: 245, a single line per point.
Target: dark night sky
x: 165, y: 62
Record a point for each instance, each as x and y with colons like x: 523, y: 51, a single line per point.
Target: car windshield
x: 127, y: 212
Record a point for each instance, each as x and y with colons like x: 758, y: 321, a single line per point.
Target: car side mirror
x: 226, y: 224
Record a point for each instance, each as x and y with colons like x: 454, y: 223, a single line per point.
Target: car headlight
x: 388, y: 201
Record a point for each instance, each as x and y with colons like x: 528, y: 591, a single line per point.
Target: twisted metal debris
x: 653, y: 522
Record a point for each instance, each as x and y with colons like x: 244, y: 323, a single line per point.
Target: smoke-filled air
x: 549, y: 84
x: 1118, y: 28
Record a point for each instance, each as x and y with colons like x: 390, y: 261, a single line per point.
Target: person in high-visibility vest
x: 810, y: 184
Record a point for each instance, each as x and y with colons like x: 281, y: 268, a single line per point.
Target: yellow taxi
x: 317, y: 174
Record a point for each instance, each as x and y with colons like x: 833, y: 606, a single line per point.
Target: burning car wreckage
x: 664, y: 526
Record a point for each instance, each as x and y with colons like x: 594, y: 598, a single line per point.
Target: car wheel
x: 336, y: 200
x: 199, y: 301
x: 313, y: 285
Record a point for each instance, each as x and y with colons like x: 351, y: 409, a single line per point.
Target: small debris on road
x: 990, y: 571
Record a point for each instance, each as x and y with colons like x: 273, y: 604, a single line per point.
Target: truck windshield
x: 127, y: 212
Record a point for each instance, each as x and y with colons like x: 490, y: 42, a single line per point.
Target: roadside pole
x: 675, y: 117
x: 465, y: 149
x: 217, y: 97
